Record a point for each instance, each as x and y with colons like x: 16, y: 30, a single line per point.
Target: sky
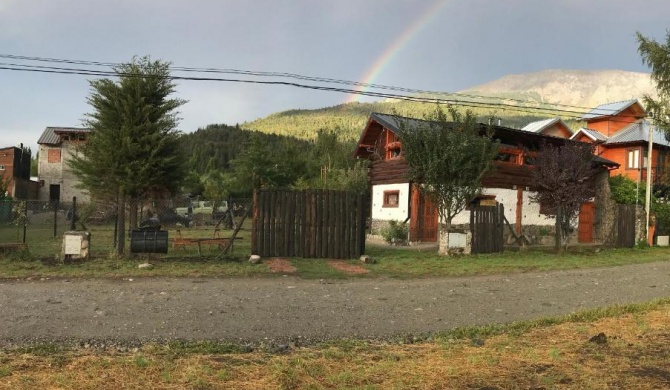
x: 437, y: 45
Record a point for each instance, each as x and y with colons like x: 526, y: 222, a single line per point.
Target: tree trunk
x: 132, y: 213
x: 121, y: 224
x: 558, y: 247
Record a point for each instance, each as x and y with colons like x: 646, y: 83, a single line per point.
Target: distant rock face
x: 583, y: 88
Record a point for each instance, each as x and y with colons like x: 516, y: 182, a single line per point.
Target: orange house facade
x: 394, y: 197
x: 620, y: 133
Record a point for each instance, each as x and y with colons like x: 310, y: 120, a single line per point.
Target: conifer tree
x: 133, y: 147
x: 657, y: 56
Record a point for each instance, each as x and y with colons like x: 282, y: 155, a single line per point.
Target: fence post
x: 25, y: 220
x: 55, y: 206
x: 74, y: 214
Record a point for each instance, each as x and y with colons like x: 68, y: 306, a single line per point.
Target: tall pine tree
x: 133, y: 148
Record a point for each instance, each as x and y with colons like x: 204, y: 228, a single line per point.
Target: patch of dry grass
x: 632, y: 354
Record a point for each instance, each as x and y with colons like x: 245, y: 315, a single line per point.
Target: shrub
x: 395, y: 232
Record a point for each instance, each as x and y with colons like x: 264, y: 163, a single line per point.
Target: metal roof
x: 608, y: 109
x: 538, y: 126
x: 394, y: 122
x: 593, y: 134
x: 50, y: 134
x: 638, y: 132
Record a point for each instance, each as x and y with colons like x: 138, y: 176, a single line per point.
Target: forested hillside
x: 348, y: 120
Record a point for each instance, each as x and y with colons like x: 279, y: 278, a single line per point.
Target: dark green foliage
x: 134, y: 142
x: 242, y: 160
x: 657, y: 56
x: 133, y: 149
x: 627, y: 191
x: 449, y: 157
x: 395, y: 232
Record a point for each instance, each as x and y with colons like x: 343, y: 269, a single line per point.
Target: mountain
x: 517, y: 99
x: 581, y: 88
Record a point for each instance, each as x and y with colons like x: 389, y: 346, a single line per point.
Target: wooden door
x: 585, y: 228
x: 423, y: 218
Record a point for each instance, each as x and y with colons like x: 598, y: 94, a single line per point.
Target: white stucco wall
x: 531, y: 211
x: 399, y: 213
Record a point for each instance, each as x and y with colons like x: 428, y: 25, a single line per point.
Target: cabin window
x: 508, y: 155
x: 528, y: 160
x: 482, y: 200
x: 391, y: 199
x: 393, y: 149
x: 54, y: 156
x: 2, y: 167
x: 633, y: 159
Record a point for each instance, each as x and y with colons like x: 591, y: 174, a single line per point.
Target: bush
x: 395, y: 232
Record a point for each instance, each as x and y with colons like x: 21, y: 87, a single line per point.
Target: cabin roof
x: 50, y: 134
x: 609, y: 109
x: 507, y: 136
x: 539, y: 126
x: 638, y: 132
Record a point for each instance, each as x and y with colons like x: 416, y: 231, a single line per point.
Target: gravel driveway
x: 282, y: 309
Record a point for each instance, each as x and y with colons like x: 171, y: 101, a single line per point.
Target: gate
x: 311, y: 224
x: 486, y: 225
x: 626, y: 226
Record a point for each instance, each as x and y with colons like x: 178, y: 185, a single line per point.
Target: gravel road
x: 282, y: 309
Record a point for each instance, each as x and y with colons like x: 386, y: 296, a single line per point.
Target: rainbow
x: 396, y: 46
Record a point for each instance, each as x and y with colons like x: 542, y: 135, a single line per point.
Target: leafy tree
x: 563, y: 177
x: 657, y: 56
x: 133, y: 149
x: 449, y: 159
x: 627, y: 191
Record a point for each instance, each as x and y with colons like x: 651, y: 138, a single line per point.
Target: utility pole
x: 647, y: 206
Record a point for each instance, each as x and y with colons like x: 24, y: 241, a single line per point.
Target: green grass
x: 42, y: 259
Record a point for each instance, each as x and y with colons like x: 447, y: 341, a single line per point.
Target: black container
x: 149, y: 241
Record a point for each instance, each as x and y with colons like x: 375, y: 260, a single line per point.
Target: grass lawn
x: 622, y: 347
x: 41, y: 260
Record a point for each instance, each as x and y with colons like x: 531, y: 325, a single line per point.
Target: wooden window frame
x: 387, y: 197
x: 637, y: 164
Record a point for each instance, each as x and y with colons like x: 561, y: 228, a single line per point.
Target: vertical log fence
x: 309, y: 224
x: 486, y: 224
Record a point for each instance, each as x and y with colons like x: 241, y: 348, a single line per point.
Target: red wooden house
x: 509, y: 183
x: 621, y: 134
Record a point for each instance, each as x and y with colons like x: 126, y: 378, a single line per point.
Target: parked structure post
x: 647, y: 206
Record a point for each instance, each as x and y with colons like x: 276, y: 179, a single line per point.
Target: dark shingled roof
x: 50, y: 134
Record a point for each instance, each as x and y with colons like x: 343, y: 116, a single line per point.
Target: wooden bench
x: 181, y: 242
x: 12, y: 246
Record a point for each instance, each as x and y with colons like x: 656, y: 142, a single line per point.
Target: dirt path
x: 281, y: 309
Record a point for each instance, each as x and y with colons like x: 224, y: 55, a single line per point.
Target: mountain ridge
x: 552, y: 89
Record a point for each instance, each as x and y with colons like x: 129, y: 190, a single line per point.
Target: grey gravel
x: 285, y: 312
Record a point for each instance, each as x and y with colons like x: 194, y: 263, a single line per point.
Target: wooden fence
x: 486, y: 225
x: 626, y: 222
x: 310, y: 224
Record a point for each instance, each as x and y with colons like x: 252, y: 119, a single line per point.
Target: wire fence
x: 41, y: 224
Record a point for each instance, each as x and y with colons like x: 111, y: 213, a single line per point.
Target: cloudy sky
x: 439, y: 45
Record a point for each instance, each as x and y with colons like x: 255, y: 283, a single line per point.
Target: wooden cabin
x: 394, y: 197
x: 621, y: 134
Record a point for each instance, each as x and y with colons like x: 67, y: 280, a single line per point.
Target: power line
x: 571, y: 114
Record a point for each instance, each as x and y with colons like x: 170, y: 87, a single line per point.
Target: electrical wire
x: 451, y: 98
